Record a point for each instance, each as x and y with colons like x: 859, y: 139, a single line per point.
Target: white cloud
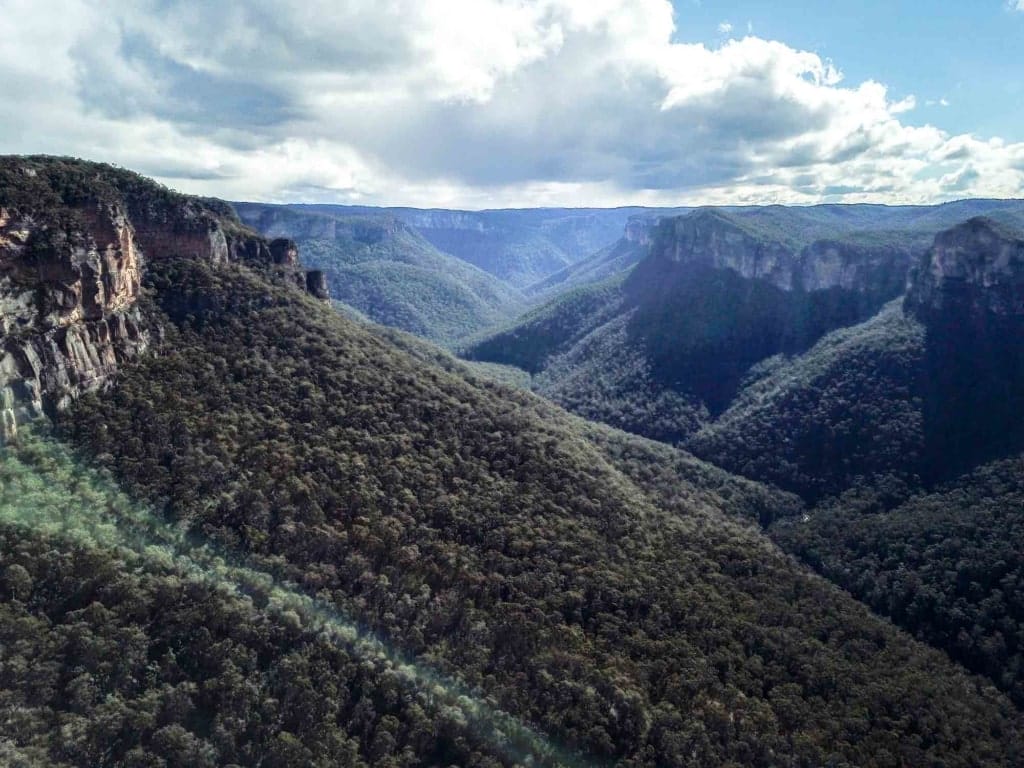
x: 725, y: 27
x: 495, y: 102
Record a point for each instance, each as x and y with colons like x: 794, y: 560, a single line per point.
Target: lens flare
x: 43, y: 488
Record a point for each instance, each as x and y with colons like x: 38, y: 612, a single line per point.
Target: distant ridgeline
x: 386, y: 270
x: 724, y: 299
x: 521, y: 247
x: 263, y: 534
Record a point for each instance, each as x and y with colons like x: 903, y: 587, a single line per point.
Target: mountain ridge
x: 385, y: 269
x: 74, y: 241
x: 615, y: 595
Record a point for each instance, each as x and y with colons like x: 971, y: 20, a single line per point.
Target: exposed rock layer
x: 68, y: 311
x: 709, y: 238
x: 975, y: 268
x: 74, y: 242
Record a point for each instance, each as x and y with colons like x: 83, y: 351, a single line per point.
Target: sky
x: 524, y: 103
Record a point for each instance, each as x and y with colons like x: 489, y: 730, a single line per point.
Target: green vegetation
x: 123, y: 643
x: 661, y: 349
x: 49, y: 185
x: 848, y: 412
x: 910, y: 226
x: 521, y: 247
x: 664, y: 348
x: 947, y: 565
x: 388, y: 272
x: 554, y: 327
x: 863, y: 423
x: 607, y: 378
x: 508, y: 375
x: 480, y: 533
x: 606, y: 263
x: 285, y: 538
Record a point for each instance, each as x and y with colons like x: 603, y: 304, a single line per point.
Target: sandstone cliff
x: 711, y: 238
x: 708, y: 238
x: 75, y: 239
x: 975, y: 268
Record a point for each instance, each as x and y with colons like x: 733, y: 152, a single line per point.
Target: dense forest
x: 126, y: 645
x: 284, y: 538
x: 946, y: 565
x: 390, y: 273
x: 848, y: 412
x: 569, y: 608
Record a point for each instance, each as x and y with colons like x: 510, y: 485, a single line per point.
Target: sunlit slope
x: 502, y: 546
x: 390, y: 273
x: 126, y: 642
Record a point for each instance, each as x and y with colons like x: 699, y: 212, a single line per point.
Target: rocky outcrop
x: 316, y: 284
x: 968, y: 292
x: 75, y: 239
x: 283, y: 251
x: 638, y: 230
x: 710, y: 238
x: 976, y: 268
x: 68, y: 312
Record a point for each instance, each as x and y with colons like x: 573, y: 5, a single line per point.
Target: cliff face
x: 974, y: 269
x: 638, y: 230
x: 880, y: 269
x: 75, y: 239
x: 283, y: 221
x: 718, y: 294
x: 710, y: 239
x: 968, y: 291
x: 67, y: 308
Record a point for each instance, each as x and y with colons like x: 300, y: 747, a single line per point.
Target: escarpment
x: 709, y: 239
x: 712, y: 239
x: 68, y: 311
x: 716, y: 295
x: 975, y: 270
x: 75, y: 239
x: 968, y: 292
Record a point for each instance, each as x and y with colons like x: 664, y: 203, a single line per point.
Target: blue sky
x: 523, y: 103
x: 968, y: 52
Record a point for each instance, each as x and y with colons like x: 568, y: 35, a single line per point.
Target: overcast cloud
x: 483, y: 103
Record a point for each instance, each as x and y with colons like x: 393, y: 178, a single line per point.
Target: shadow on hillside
x: 702, y: 329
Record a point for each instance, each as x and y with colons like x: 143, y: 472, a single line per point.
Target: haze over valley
x: 511, y: 384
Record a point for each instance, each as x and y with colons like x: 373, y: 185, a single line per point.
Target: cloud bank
x: 494, y: 102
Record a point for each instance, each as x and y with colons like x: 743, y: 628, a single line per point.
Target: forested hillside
x: 661, y: 349
x: 519, y: 246
x: 387, y: 271
x: 614, y: 259
x: 946, y: 565
x: 456, y: 550
x: 847, y: 412
x: 274, y: 536
x: 923, y: 392
x: 874, y: 416
x: 717, y: 330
